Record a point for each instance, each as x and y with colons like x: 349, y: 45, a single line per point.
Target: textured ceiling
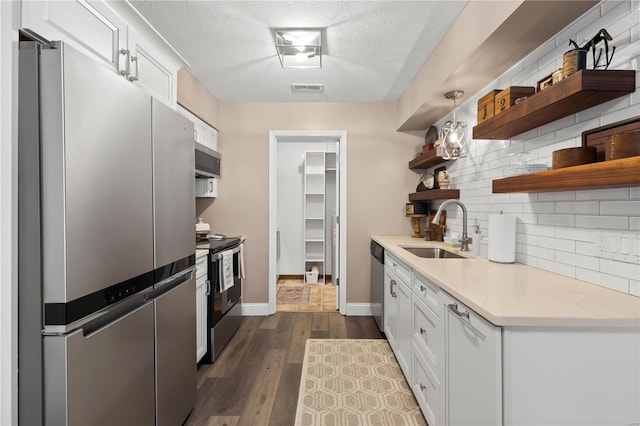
x: 371, y: 49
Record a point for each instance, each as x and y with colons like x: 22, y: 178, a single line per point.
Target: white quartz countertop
x: 516, y: 294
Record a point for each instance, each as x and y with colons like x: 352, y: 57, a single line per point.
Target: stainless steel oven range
x: 224, y: 314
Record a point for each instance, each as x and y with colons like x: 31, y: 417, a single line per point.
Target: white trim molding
x: 359, y: 309
x: 254, y: 309
x: 339, y: 136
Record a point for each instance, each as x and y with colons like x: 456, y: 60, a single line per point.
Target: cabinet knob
x: 422, y: 288
x: 422, y: 387
x: 422, y: 330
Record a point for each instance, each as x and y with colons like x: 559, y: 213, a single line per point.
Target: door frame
x: 340, y: 137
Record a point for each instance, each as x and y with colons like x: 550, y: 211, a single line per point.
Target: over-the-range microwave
x: 207, y: 161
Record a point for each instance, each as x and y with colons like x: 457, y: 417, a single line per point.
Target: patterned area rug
x: 354, y: 382
x: 293, y: 295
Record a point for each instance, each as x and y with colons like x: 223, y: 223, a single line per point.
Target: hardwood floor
x: 256, y: 379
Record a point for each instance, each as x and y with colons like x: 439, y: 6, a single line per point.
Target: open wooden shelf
x: 435, y: 194
x: 426, y: 160
x: 605, y: 174
x: 579, y: 91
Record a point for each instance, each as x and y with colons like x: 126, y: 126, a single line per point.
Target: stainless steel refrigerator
x: 106, y: 250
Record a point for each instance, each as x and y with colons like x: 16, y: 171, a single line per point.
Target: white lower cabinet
x: 473, y: 367
x: 427, y: 389
x: 202, y: 293
x: 397, y: 316
x: 463, y: 370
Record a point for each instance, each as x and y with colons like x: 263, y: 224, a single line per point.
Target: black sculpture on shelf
x: 601, y: 36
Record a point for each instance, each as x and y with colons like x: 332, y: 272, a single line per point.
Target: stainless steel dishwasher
x: 377, y: 284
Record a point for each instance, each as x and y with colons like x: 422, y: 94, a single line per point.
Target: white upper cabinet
x: 203, y: 132
x: 130, y: 46
x: 88, y: 25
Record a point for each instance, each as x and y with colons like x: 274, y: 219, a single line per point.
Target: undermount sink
x: 433, y: 253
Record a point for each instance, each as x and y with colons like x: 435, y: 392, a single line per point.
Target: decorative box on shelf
x: 507, y: 97
x: 486, y: 106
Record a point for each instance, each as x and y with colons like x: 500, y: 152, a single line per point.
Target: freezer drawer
x: 175, y: 316
x: 105, y: 377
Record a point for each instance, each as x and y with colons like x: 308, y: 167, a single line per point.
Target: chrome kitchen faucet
x: 465, y: 240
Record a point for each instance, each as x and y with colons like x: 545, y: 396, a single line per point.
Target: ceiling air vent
x: 308, y: 88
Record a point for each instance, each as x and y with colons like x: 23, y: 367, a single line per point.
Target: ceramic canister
x: 572, y: 61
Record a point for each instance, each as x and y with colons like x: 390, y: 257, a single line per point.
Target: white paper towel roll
x: 502, y: 238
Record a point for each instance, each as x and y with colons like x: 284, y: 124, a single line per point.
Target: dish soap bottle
x: 475, y: 244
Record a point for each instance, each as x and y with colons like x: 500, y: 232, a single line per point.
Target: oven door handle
x: 218, y: 256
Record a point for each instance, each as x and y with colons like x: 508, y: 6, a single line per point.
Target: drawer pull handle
x: 422, y: 387
x: 454, y: 308
x: 422, y: 330
x: 422, y: 288
x: 393, y: 293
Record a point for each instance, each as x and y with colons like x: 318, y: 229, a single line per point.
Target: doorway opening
x: 307, y: 210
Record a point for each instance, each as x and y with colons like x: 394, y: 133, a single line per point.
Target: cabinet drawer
x: 427, y: 292
x: 400, y: 269
x: 427, y: 336
x: 201, y: 266
x: 427, y: 390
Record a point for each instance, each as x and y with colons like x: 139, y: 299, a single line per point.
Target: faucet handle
x: 467, y: 240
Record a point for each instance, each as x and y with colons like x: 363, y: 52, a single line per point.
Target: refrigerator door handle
x: 169, y: 285
x: 121, y: 311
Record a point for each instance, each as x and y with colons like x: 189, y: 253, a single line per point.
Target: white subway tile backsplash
x: 540, y: 230
x: 620, y: 269
x: 569, y: 120
x: 539, y: 208
x: 578, y: 207
x: 576, y: 234
x: 557, y: 196
x: 581, y: 260
x: 527, y: 260
x: 539, y: 252
x: 604, y: 194
x: 577, y: 129
x: 599, y: 110
x: 556, y: 231
x: 606, y: 6
x: 585, y: 248
x: 602, y: 222
x: 557, y: 244
x: 620, y: 208
x: 557, y: 219
x: 605, y: 280
x: 558, y: 268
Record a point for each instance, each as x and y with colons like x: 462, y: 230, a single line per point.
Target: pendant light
x: 454, y: 132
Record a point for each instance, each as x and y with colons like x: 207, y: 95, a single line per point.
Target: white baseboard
x: 359, y: 309
x: 254, y: 309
